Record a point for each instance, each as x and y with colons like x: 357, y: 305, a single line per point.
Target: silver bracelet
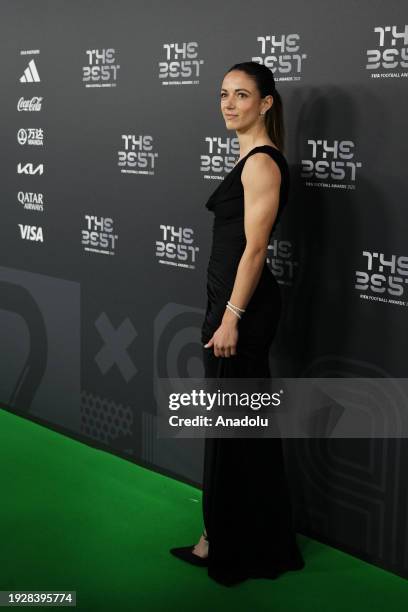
x: 234, y: 311
x: 236, y: 307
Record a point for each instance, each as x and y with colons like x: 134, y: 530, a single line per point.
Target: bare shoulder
x: 260, y: 168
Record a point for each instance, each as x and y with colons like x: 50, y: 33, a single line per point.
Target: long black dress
x: 246, y: 501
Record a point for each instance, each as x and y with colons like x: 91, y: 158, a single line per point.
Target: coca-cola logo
x: 30, y: 105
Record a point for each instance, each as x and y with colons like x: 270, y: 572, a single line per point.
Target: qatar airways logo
x: 382, y: 278
x: 30, y: 136
x: 30, y: 105
x: 281, y: 261
x: 220, y: 156
x: 31, y: 200
x: 98, y: 236
x: 181, y: 64
x: 176, y: 247
x: 137, y: 155
x: 389, y: 58
x: 101, y: 69
x: 330, y: 164
x: 282, y: 54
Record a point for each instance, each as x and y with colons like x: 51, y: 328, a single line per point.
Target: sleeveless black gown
x: 246, y: 501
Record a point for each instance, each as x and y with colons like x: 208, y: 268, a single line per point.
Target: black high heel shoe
x: 186, y: 554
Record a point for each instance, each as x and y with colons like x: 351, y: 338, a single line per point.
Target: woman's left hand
x: 224, y: 340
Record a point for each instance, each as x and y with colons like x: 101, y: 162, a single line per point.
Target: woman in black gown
x: 246, y: 502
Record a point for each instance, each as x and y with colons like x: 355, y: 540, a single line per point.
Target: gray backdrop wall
x: 111, y: 142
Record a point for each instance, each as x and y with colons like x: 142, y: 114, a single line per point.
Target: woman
x: 246, y: 503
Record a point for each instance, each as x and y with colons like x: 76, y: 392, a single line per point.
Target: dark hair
x: 265, y: 83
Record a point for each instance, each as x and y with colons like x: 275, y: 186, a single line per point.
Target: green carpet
x: 76, y: 518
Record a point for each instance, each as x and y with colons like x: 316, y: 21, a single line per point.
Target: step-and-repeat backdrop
x: 112, y: 140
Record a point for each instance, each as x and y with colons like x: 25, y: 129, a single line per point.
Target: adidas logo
x: 30, y: 74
